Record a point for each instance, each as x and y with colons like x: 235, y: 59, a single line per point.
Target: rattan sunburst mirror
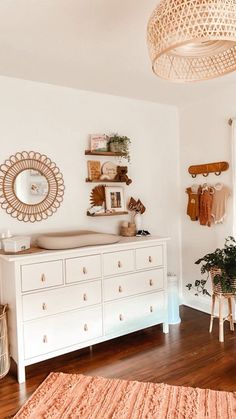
x: 31, y: 186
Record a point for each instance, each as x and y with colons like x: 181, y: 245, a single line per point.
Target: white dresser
x: 61, y: 301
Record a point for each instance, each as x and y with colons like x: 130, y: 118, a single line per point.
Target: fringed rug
x: 72, y: 396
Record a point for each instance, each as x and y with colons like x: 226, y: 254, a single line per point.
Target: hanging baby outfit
x: 205, y: 208
x: 219, y: 204
x: 193, y: 202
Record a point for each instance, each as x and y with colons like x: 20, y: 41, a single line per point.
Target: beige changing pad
x: 73, y: 239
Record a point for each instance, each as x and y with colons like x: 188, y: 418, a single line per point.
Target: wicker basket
x: 4, y: 347
x: 129, y: 231
x: 116, y: 147
x: 217, y: 289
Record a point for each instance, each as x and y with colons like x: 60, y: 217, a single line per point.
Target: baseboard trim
x: 198, y: 303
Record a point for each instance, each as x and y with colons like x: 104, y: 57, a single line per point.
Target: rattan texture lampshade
x: 192, y: 40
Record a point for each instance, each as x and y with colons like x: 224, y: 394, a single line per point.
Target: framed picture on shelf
x: 98, y: 142
x: 115, y: 198
x: 94, y: 170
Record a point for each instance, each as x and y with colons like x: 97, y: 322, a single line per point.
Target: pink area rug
x: 71, y: 396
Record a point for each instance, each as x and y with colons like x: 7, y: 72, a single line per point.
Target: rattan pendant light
x: 192, y: 40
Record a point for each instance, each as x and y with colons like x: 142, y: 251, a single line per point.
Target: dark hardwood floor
x: 187, y: 356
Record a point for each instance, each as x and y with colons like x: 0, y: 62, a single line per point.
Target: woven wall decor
x: 192, y: 40
x: 8, y: 197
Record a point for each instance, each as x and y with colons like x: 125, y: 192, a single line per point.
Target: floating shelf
x: 108, y: 214
x: 103, y: 181
x: 103, y: 153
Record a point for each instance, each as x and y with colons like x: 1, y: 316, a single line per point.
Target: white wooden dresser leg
x: 21, y: 374
x: 165, y: 327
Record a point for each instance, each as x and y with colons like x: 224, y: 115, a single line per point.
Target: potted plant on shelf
x: 120, y: 144
x: 221, y: 264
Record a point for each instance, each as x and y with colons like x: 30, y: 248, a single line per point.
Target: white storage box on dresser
x: 64, y: 300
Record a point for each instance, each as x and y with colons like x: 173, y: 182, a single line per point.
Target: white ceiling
x: 95, y: 45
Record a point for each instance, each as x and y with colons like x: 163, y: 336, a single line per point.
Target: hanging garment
x: 219, y: 205
x: 206, y: 201
x: 193, y: 202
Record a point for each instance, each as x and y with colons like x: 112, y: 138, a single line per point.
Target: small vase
x: 138, y: 221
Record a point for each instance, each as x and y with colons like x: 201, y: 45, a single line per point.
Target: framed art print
x: 94, y: 169
x: 115, y: 198
x: 98, y: 142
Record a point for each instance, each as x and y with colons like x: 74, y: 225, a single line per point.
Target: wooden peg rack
x: 205, y: 169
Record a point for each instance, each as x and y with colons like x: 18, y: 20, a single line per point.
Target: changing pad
x: 73, y: 239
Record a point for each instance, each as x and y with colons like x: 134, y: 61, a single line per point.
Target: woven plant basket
x: 116, y: 147
x: 217, y: 289
x: 128, y: 231
x: 4, y: 346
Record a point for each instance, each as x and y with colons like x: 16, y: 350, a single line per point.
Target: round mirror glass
x: 31, y: 187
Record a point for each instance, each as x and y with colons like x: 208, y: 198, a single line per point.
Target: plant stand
x: 221, y: 296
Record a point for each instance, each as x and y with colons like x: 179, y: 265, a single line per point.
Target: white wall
x: 205, y: 137
x: 57, y: 121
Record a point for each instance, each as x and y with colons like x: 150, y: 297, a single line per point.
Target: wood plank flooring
x: 187, y: 356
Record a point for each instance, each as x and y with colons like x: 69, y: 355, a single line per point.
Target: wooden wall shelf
x: 103, y: 181
x: 102, y: 153
x: 108, y: 214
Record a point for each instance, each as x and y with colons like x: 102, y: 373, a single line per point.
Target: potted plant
x: 119, y: 144
x: 222, y: 265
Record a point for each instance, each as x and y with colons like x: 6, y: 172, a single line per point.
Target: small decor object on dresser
x: 94, y: 170
x: 98, y: 142
x: 138, y: 209
x: 114, y: 199
x: 127, y: 229
x: 16, y: 244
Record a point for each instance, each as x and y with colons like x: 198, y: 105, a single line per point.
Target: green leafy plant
x: 223, y: 259
x: 199, y: 287
x: 120, y: 144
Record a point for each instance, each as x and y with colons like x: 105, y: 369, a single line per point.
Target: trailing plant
x: 223, y: 259
x: 121, y: 143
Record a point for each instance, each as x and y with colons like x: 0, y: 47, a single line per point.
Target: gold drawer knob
x: 45, y: 339
x: 151, y: 282
x: 120, y: 288
x: 43, y: 278
x: 119, y: 264
x: 150, y: 259
x: 85, y: 297
x: 84, y: 270
x: 151, y: 309
x: 85, y: 327
x: 121, y: 317
x: 44, y: 306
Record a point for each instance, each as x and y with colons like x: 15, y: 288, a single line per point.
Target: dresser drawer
x: 41, y: 275
x: 149, y: 257
x: 134, y: 313
x: 118, y: 262
x: 82, y: 268
x: 55, y: 301
x: 132, y: 284
x: 63, y: 330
